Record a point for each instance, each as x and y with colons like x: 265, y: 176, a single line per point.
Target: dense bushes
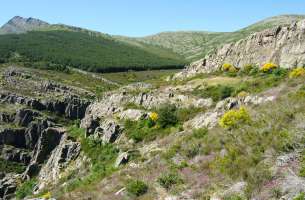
x: 166, y: 119
x: 136, y: 187
x: 80, y: 50
x: 167, y: 115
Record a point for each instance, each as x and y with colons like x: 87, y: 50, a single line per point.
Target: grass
x: 9, y: 166
x: 102, y: 158
x: 152, y: 76
x: 169, y: 180
x: 26, y: 188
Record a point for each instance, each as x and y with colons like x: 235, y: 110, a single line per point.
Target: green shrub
x: 136, y: 187
x: 167, y: 115
x: 26, y: 189
x: 200, y: 133
x: 300, y: 196
x: 169, y: 180
x: 144, y: 129
x: 185, y: 114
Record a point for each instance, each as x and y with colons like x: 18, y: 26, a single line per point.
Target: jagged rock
x: 14, y: 137
x: 47, y: 142
x: 132, y: 114
x: 25, y: 116
x: 34, y: 131
x: 6, y: 118
x: 203, y: 120
x: 90, y: 124
x: 8, y: 186
x: 16, y: 155
x: 283, y: 45
x: 61, y: 156
x: 107, y: 132
x: 122, y: 159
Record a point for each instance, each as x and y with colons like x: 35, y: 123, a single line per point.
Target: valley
x: 85, y: 115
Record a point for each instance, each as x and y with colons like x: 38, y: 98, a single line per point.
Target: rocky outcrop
x: 21, y: 25
x: 122, y: 159
x: 71, y: 106
x: 62, y: 155
x: 107, y: 132
x: 47, y: 142
x: 210, y: 119
x: 283, y: 45
x: 8, y: 185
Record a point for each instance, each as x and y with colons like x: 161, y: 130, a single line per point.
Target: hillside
x: 31, y: 40
x: 216, y: 132
x: 194, y: 45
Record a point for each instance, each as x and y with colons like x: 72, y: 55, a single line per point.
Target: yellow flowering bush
x: 234, y: 117
x: 46, y: 195
x: 268, y: 67
x: 227, y: 67
x: 242, y: 94
x: 154, y: 116
x: 300, y: 71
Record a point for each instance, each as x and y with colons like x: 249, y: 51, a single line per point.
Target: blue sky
x: 144, y: 17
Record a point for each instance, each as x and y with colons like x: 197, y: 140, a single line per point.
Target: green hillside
x: 194, y: 45
x: 86, y: 51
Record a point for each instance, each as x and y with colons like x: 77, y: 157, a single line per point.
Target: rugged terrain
x: 208, y: 132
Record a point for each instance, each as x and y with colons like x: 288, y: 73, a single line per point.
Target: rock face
x: 22, y: 25
x: 66, y: 151
x: 283, y: 45
x: 8, y: 185
x: 71, y: 106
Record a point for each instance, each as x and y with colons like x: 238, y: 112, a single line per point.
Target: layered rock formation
x: 283, y: 45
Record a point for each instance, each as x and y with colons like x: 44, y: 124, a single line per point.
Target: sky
x: 145, y: 17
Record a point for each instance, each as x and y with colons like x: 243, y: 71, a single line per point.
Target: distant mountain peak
x: 21, y: 25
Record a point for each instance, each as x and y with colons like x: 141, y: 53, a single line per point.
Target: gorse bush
x: 154, y: 116
x: 233, y: 118
x: 226, y: 67
x: 136, y: 187
x: 46, y: 195
x: 300, y: 71
x: 268, y: 67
